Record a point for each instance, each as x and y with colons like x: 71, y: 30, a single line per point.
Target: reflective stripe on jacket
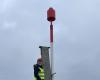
x: 40, y: 73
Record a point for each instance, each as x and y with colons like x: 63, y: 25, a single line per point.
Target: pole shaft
x: 51, y: 33
x: 52, y: 59
x: 51, y: 49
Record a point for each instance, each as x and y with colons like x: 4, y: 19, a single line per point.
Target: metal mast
x: 51, y: 18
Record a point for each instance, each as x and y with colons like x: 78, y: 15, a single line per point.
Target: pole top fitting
x: 43, y: 47
x: 51, y: 14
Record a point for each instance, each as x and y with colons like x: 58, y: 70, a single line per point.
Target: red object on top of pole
x: 51, y: 18
x: 51, y: 14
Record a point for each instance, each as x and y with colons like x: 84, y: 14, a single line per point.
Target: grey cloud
x: 76, y: 46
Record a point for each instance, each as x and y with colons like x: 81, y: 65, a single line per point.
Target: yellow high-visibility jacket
x: 40, y: 73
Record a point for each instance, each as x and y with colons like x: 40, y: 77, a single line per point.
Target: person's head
x: 39, y: 61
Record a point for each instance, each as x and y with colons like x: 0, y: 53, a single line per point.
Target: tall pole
x: 51, y: 18
x: 51, y: 49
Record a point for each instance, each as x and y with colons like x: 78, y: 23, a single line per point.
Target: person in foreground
x: 38, y: 70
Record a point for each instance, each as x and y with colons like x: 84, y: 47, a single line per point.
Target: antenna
x: 51, y: 18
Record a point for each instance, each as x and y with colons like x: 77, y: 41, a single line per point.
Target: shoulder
x: 36, y: 66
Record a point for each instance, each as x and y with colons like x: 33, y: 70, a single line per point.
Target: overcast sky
x: 23, y: 27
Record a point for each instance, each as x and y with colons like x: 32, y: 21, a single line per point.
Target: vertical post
x: 46, y: 62
x: 51, y: 18
x: 51, y: 49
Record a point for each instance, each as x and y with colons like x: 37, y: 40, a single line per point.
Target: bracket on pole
x: 46, y: 62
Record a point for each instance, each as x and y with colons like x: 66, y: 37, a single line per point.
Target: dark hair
x: 39, y: 60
